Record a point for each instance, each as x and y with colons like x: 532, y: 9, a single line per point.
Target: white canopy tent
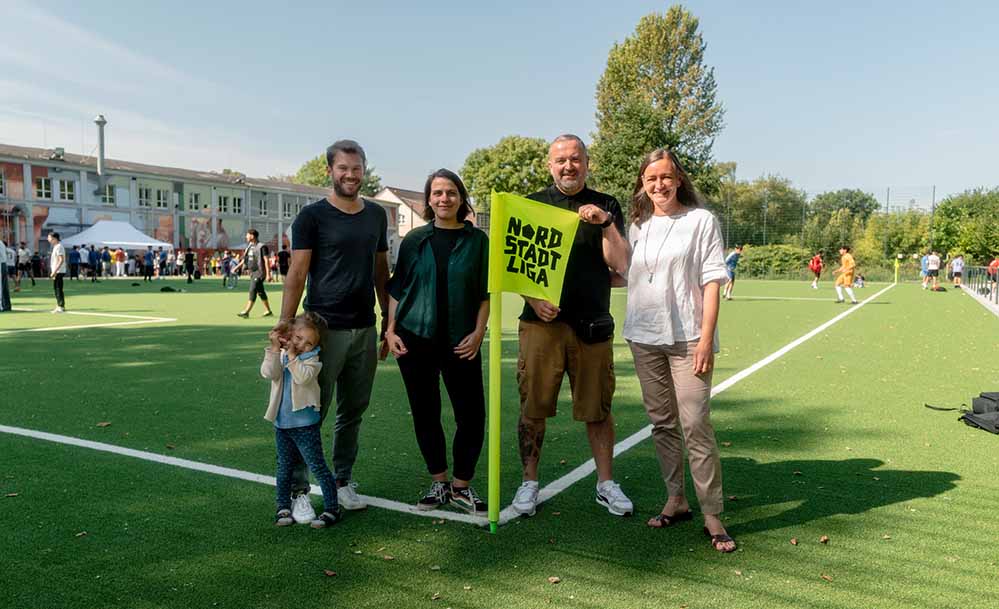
x: 114, y: 234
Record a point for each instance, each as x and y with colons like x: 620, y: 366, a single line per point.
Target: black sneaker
x: 438, y: 495
x: 468, y: 500
x: 243, y: 315
x: 327, y: 519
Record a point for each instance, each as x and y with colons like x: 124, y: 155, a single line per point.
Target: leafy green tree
x: 860, y: 203
x: 765, y: 211
x: 967, y: 223
x: 313, y: 172
x: 656, y: 92
x: 515, y: 164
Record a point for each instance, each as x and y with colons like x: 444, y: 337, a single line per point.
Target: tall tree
x: 860, y: 203
x: 313, y: 172
x: 657, y: 92
x: 515, y: 164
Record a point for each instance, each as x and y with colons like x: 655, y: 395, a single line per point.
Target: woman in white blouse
x: 676, y: 271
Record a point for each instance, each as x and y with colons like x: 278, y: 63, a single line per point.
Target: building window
x: 108, y: 196
x: 194, y: 200
x: 286, y: 209
x: 3, y: 185
x: 145, y: 196
x: 237, y: 205
x: 162, y: 198
x: 67, y: 190
x: 262, y: 207
x: 43, y: 188
x: 223, y: 204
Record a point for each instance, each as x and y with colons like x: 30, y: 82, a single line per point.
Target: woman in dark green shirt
x: 438, y: 308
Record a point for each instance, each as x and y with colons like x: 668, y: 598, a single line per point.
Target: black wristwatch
x: 609, y: 221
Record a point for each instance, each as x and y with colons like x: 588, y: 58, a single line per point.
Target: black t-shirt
x: 189, y: 260
x: 586, y: 290
x: 341, y: 273
x: 283, y: 257
x: 442, y: 242
x: 254, y: 257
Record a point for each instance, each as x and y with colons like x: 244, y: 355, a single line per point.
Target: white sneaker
x: 525, y: 502
x: 58, y: 310
x: 610, y: 495
x: 348, y: 497
x: 301, y: 509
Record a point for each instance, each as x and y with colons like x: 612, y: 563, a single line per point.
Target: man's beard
x: 340, y: 191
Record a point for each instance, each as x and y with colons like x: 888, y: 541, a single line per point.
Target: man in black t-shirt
x: 284, y: 259
x: 189, y: 265
x: 255, y: 261
x: 340, y: 245
x: 575, y: 337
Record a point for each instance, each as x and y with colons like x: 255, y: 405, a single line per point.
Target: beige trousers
x: 678, y: 400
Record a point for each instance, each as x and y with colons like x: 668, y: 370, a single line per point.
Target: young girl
x: 292, y: 364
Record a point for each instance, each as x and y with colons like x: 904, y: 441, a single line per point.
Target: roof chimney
x: 100, y: 121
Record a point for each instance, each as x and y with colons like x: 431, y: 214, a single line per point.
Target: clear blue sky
x: 846, y: 94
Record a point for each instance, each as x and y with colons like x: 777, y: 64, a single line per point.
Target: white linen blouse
x: 673, y: 257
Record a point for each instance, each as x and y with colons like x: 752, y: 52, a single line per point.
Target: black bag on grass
x: 985, y: 403
x: 989, y: 421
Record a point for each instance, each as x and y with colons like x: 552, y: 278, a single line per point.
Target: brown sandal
x: 720, y: 539
x: 666, y: 520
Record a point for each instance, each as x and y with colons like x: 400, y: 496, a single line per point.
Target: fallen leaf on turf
x: 561, y: 462
x: 556, y: 513
x: 388, y: 557
x: 886, y: 536
x: 381, y: 549
x: 796, y: 473
x: 436, y: 596
x: 104, y: 424
x: 329, y: 573
x: 357, y: 552
x: 435, y: 568
x: 726, y: 444
x: 794, y: 541
x: 554, y: 580
x: 551, y: 540
x: 81, y: 534
x: 876, y: 478
x: 826, y: 577
x: 824, y: 539
x: 738, y: 572
x: 468, y: 587
x: 171, y: 446
x: 733, y: 498
x: 12, y: 494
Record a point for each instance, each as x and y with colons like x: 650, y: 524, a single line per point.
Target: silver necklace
x: 645, y: 262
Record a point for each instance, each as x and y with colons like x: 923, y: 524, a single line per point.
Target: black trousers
x: 59, y: 293
x: 147, y: 272
x: 422, y: 368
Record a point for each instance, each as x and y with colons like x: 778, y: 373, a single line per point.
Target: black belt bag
x: 594, y: 329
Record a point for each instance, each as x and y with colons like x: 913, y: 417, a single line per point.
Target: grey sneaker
x: 468, y: 500
x: 610, y: 495
x: 438, y: 495
x: 327, y: 519
x: 525, y: 502
x: 349, y: 499
x: 283, y: 518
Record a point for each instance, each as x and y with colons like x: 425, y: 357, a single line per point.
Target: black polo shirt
x: 586, y: 290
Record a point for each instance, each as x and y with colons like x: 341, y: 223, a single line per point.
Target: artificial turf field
x: 829, y: 440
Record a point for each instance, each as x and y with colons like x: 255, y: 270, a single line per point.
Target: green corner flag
x: 529, y: 245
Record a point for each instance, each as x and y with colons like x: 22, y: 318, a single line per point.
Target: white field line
x: 588, y: 467
x: 227, y: 472
x: 782, y: 298
x: 140, y: 320
x: 985, y: 302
